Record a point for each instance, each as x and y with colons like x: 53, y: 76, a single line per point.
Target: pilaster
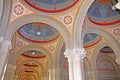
x: 5, y: 47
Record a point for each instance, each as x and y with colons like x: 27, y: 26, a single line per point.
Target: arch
x: 58, y: 52
x: 79, y: 22
x: 28, y: 74
x: 31, y: 69
x: 94, y: 57
x: 33, y: 47
x: 12, y: 28
x: 111, y: 41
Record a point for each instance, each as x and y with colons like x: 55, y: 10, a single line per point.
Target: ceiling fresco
x: 33, y: 54
x: 39, y: 32
x: 106, y: 49
x: 91, y: 39
x: 101, y: 12
x: 51, y: 6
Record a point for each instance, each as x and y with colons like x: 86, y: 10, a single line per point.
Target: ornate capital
x: 79, y: 54
x: 69, y: 54
x: 75, y: 54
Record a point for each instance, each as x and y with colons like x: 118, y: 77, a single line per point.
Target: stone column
x: 69, y: 55
x: 57, y: 74
x: 54, y: 74
x: 9, y: 74
x: 79, y: 55
x: 5, y: 47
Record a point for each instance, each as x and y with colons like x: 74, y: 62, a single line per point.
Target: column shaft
x: 5, y: 47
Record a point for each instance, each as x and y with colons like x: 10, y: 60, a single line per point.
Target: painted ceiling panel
x: 106, y: 49
x: 51, y: 6
x: 33, y: 54
x: 101, y: 12
x: 39, y: 32
x: 91, y: 39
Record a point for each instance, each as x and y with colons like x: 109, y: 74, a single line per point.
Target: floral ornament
x: 19, y: 44
x: 116, y: 32
x: 18, y: 9
x: 67, y: 19
x: 51, y: 48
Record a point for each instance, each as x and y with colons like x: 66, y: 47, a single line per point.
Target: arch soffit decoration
x: 30, y: 61
x: 33, y: 47
x: 12, y: 28
x: 22, y: 71
x: 111, y: 41
x: 79, y: 22
x: 21, y: 76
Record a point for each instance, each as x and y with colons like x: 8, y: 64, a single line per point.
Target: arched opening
x: 34, y: 44
x: 106, y: 67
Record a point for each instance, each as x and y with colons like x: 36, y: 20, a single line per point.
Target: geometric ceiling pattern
x: 38, y: 32
x: 51, y: 6
x: 91, y: 39
x: 101, y: 12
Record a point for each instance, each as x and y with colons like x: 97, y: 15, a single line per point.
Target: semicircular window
x: 91, y: 39
x: 51, y: 5
x: 39, y: 32
x: 33, y: 54
x: 101, y: 12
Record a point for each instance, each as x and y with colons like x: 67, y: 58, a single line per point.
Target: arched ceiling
x: 51, y: 6
x: 101, y: 12
x: 38, y: 32
x: 91, y: 39
x: 33, y: 54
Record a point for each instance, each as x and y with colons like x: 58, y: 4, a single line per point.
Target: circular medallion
x: 18, y: 9
x: 116, y: 31
x: 67, y: 19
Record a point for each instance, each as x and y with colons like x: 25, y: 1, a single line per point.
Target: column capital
x: 75, y: 54
x: 69, y: 54
x: 80, y: 53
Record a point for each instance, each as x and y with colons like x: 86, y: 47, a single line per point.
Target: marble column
x: 9, y: 74
x: 69, y: 55
x: 51, y: 74
x: 5, y: 47
x: 79, y: 55
x: 75, y: 59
